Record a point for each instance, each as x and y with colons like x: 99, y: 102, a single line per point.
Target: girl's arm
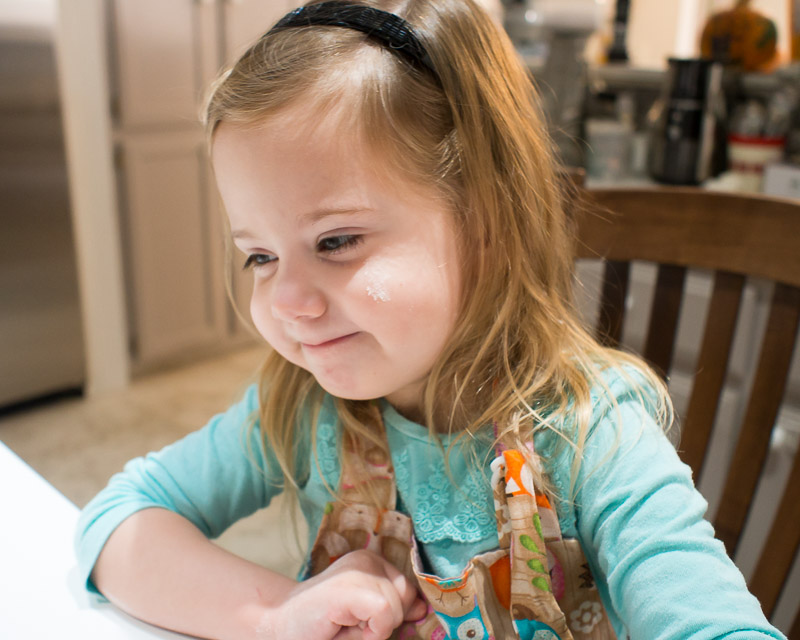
x: 642, y: 524
x: 159, y: 567
x: 213, y: 477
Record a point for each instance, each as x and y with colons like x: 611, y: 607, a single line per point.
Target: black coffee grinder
x: 687, y: 123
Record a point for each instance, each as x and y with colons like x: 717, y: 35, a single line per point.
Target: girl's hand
x: 360, y: 596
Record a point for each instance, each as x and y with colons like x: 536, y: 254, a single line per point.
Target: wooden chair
x: 736, y: 237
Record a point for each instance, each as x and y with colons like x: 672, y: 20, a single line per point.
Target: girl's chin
x: 347, y: 392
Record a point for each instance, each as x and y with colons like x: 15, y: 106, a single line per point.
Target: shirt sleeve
x: 213, y: 477
x: 641, y: 522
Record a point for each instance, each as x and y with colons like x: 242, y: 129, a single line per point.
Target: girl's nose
x: 296, y: 297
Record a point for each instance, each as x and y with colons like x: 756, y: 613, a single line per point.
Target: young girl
x: 471, y: 463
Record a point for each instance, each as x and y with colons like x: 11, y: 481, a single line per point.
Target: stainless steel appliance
x: 41, y: 347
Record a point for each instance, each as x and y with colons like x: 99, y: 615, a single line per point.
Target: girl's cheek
x: 375, y: 280
x: 261, y: 316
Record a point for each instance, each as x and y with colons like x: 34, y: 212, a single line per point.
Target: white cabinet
x: 163, y: 56
x: 244, y: 20
x: 169, y: 228
x: 158, y: 75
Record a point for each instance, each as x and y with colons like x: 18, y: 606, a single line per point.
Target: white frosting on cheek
x: 376, y: 283
x: 378, y: 293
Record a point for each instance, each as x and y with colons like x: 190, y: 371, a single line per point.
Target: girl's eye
x: 335, y: 244
x: 256, y: 260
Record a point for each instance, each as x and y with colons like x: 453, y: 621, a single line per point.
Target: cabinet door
x: 163, y: 53
x: 246, y: 20
x: 174, y: 267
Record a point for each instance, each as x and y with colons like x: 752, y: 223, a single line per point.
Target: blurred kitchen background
x: 116, y: 334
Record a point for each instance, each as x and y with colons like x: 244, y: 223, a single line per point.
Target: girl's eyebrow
x: 309, y: 219
x: 237, y: 234
x: 320, y: 214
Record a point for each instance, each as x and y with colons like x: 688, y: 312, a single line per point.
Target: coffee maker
x: 687, y: 136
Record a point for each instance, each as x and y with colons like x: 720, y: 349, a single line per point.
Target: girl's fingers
x: 407, y: 591
x: 349, y: 633
x: 417, y: 610
x: 386, y: 615
x: 367, y: 597
x: 375, y: 607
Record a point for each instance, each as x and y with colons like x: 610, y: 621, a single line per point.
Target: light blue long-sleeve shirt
x: 635, y: 510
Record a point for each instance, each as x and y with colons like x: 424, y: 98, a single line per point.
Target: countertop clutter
x: 695, y: 123
x: 40, y: 594
x: 719, y: 108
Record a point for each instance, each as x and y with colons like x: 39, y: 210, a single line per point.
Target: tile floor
x: 77, y: 443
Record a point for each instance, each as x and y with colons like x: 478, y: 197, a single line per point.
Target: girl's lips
x: 327, y: 343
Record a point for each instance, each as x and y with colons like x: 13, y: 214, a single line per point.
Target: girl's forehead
x: 306, y: 169
x: 324, y: 121
x: 305, y: 128
x: 312, y: 139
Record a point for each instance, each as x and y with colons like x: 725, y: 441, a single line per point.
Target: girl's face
x: 356, y: 270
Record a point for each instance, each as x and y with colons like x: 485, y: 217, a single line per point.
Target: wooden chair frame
x: 737, y: 237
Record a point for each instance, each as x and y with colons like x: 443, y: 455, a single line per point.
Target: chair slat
x: 760, y: 416
x: 781, y: 546
x: 711, y: 367
x: 795, y: 631
x: 696, y: 227
x: 616, y: 277
x: 664, y: 317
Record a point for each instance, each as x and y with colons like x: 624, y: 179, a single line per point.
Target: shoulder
x: 627, y: 410
x: 630, y: 408
x: 615, y: 386
x: 616, y: 393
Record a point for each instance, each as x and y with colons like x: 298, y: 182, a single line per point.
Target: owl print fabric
x: 535, y: 586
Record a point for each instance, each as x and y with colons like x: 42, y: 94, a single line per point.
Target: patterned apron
x: 535, y: 586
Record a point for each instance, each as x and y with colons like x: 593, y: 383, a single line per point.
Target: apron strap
x: 526, y: 527
x: 511, y: 477
x: 367, y: 474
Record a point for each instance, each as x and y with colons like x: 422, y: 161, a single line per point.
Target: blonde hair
x: 519, y: 355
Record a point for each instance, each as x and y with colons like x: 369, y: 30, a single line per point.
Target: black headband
x: 388, y: 29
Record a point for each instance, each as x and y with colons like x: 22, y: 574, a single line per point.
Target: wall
x: 659, y: 29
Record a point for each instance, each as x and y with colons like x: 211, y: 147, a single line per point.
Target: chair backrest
x: 736, y: 237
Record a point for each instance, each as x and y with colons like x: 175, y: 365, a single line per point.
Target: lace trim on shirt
x: 442, y: 511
